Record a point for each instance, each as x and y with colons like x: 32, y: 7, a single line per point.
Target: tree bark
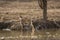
x: 40, y: 2
x: 43, y: 5
x: 45, y: 10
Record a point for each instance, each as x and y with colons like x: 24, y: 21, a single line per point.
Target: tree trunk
x: 43, y: 5
x: 40, y: 2
x: 45, y: 10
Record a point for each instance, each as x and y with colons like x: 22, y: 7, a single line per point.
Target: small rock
x: 49, y: 35
x: 54, y: 36
x: 2, y: 38
x: 6, y: 29
x: 47, y: 32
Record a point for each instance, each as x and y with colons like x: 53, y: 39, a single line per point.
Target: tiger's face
x: 26, y: 22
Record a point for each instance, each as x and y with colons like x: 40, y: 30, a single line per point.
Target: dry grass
x: 32, y: 9
x: 11, y: 9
